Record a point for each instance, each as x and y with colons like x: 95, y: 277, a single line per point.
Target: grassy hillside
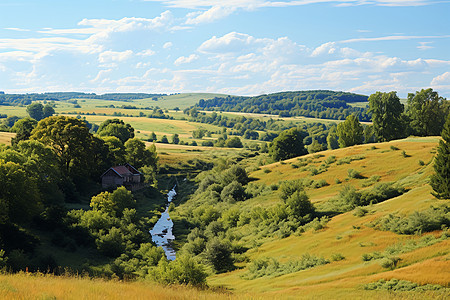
x: 354, y: 248
x: 349, y: 236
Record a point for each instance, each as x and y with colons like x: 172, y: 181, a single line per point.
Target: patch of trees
x: 26, y: 99
x: 433, y: 218
x: 57, y: 160
x: 350, y: 198
x: 217, y: 224
x: 316, y: 104
x: 424, y: 115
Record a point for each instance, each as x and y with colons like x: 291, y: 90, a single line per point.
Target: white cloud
x: 395, y: 38
x: 251, y: 4
x: 327, y: 48
x: 129, y: 24
x: 113, y: 56
x: 185, y: 60
x: 443, y: 79
x: 101, y: 74
x: 209, y: 16
x: 17, y: 29
x: 424, y: 46
x: 147, y: 52
x: 168, y: 45
x: 231, y: 42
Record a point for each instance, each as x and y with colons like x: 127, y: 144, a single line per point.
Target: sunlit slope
x: 349, y: 235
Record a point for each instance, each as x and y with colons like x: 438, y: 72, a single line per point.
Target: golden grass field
x: 5, y: 137
x: 349, y: 235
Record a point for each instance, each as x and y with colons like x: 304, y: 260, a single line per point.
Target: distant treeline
x: 317, y: 104
x: 26, y: 99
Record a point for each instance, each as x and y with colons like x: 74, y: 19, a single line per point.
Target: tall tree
x: 23, y: 129
x: 36, y: 111
x: 350, y: 132
x: 288, y: 144
x: 138, y: 155
x: 386, y: 112
x: 332, y: 138
x: 68, y: 137
x: 427, y: 112
x: 117, y: 128
x: 440, y: 181
x: 48, y: 111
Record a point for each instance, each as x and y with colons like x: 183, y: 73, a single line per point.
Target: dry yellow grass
x: 5, y: 137
x: 345, y: 234
x: 349, y: 235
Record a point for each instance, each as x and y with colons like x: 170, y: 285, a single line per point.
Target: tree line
x: 315, y: 104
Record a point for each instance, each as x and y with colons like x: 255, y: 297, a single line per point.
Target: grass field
x: 5, y: 137
x: 349, y: 235
x: 345, y: 234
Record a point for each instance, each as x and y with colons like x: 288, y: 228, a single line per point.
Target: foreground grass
x: 40, y: 286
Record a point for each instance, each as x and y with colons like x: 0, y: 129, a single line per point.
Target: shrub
x: 331, y: 159
x: 337, y: 257
x: 287, y: 188
x: 320, y: 183
x: 389, y: 262
x: 394, y: 148
x: 271, y: 267
x: 428, y: 220
x: 183, y: 270
x: 360, y: 212
x: 353, y: 174
x: 218, y: 254
x: 400, y: 285
x: 233, y: 192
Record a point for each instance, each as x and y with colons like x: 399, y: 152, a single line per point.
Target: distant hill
x: 317, y: 104
x: 25, y: 99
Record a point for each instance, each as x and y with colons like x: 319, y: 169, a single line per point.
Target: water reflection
x: 162, y: 231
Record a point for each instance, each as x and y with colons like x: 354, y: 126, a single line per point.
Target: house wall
x: 111, y: 179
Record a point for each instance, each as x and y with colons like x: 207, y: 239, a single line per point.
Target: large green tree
x: 138, y: 155
x: 117, y: 128
x: 69, y: 138
x: 350, y: 132
x: 386, y: 112
x: 19, y: 195
x: 36, y: 111
x: 332, y: 139
x: 440, y: 181
x: 23, y: 129
x: 427, y: 112
x: 288, y: 144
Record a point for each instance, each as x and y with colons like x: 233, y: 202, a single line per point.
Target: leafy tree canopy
x: 287, y: 145
x: 427, y: 112
x: 68, y: 137
x: 117, y: 128
x: 386, y: 112
x: 350, y: 132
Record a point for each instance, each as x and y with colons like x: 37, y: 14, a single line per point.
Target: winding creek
x: 162, y: 231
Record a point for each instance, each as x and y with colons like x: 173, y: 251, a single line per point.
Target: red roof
x: 122, y: 170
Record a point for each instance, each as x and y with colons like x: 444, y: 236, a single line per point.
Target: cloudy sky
x: 241, y: 47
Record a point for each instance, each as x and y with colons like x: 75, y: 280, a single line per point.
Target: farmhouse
x: 126, y: 175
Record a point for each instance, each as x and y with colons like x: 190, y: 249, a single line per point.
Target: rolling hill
x: 355, y: 250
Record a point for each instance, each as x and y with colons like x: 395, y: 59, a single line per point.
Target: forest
x: 316, y: 104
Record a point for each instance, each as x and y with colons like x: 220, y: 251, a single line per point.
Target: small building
x: 125, y: 175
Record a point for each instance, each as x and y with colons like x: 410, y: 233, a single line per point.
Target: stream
x: 162, y: 231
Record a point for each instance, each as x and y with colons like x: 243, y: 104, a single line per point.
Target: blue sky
x: 235, y: 47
